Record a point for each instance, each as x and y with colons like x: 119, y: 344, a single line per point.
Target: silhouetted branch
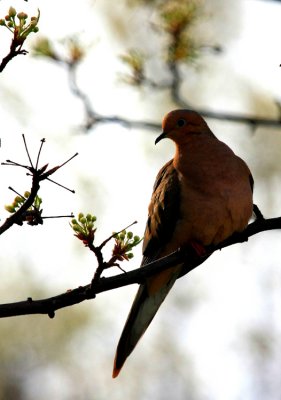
x: 15, y: 50
x: 38, y: 174
x: 186, y: 255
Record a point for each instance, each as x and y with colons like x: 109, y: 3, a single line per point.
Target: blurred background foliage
x: 101, y: 78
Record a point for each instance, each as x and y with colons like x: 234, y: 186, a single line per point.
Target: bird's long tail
x: 147, y: 301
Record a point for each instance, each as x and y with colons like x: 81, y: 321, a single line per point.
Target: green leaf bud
x: 129, y: 235
x: 74, y: 221
x: 130, y: 255
x: 2, y: 22
x: 136, y: 238
x: 26, y: 194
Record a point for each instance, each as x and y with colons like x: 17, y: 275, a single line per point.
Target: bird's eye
x: 181, y: 122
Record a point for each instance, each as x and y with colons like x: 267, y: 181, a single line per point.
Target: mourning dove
x: 200, y: 197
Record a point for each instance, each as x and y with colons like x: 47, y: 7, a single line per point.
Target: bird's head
x: 179, y: 125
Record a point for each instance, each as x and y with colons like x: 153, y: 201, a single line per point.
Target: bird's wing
x: 164, y: 210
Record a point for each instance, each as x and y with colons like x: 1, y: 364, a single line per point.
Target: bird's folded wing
x: 163, y: 212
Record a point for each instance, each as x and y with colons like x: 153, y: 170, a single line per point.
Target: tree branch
x: 13, y: 53
x: 38, y: 175
x: 93, y: 118
x: 186, y: 255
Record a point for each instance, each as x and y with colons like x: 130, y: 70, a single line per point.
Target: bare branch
x: 186, y: 255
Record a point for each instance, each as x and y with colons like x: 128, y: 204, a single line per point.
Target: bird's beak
x: 160, y: 137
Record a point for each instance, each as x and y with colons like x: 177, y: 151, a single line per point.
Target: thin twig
x: 17, y: 193
x: 39, y: 152
x: 114, y: 234
x: 60, y: 185
x: 59, y: 216
x: 69, y: 159
x: 98, y: 253
x: 27, y: 152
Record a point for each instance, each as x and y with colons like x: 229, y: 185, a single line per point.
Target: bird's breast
x: 215, y: 203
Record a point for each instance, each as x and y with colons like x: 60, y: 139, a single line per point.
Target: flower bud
x: 80, y: 215
x: 22, y: 15
x: 88, y: 217
x: 77, y: 228
x: 90, y: 226
x: 10, y: 208
x: 18, y: 199
x: 12, y: 12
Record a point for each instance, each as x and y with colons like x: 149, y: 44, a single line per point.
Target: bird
x: 200, y: 198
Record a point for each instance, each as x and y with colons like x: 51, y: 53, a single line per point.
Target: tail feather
x: 143, y: 310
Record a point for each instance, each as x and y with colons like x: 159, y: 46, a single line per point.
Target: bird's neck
x: 194, y: 154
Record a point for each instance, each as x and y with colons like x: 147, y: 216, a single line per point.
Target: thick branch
x: 187, y: 256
